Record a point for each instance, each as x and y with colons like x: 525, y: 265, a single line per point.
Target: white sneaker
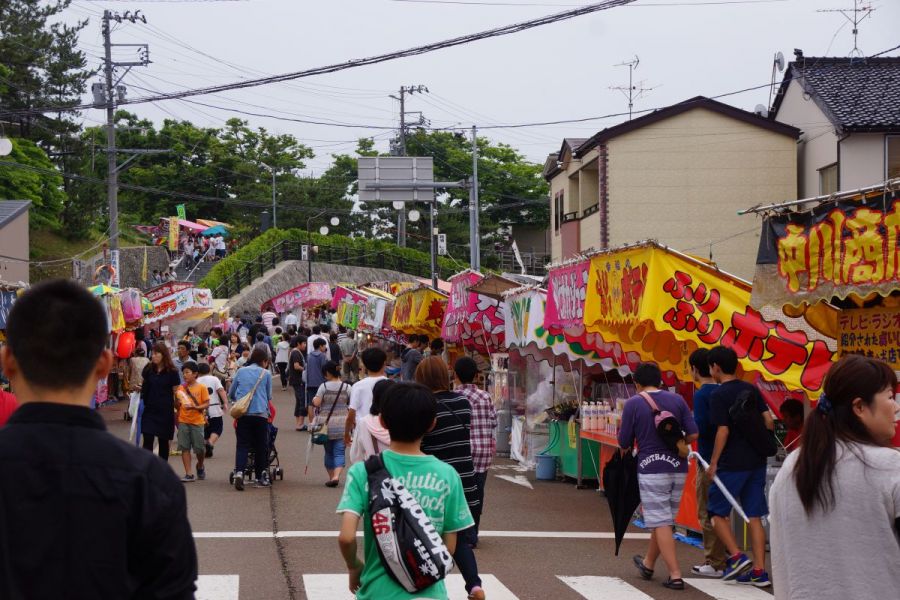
x: 707, y: 570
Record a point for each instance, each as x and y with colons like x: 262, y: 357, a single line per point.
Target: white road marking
x: 218, y: 587
x: 568, y: 535
x: 604, y: 588
x: 517, y: 479
x: 516, y: 467
x: 334, y: 587
x: 721, y: 590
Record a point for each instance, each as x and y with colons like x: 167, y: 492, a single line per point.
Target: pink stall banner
x: 566, y: 292
x: 306, y: 295
x: 473, y: 320
x: 340, y: 292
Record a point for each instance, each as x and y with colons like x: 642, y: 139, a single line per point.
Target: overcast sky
x: 560, y: 71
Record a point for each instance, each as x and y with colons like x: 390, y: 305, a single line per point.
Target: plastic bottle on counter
x: 587, y: 413
x: 595, y: 412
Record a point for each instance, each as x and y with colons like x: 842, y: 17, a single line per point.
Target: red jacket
x: 8, y: 405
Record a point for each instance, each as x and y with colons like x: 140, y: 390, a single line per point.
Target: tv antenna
x: 633, y: 91
x: 856, y: 15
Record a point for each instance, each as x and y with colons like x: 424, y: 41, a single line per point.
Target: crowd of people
x: 431, y: 428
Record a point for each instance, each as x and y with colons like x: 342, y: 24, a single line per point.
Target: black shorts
x: 299, y: 400
x: 214, y: 426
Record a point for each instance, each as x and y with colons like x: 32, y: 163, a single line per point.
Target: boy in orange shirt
x: 192, y: 400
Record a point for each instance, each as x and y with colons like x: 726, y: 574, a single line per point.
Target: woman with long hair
x: 160, y: 380
x: 835, y: 504
x: 332, y: 400
x: 449, y: 441
x: 253, y: 428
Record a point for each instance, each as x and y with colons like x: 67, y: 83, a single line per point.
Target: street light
x: 322, y: 230
x: 274, y: 219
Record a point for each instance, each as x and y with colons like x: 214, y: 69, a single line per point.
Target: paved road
x: 541, y: 540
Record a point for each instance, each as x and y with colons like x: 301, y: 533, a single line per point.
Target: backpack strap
x: 646, y: 396
x: 374, y: 464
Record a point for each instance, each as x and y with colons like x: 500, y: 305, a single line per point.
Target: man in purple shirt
x: 661, y: 471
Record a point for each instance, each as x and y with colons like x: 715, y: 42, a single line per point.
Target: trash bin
x: 546, y: 467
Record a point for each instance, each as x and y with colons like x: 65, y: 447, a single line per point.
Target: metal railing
x: 343, y: 255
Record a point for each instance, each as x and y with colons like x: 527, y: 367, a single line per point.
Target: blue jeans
x: 334, y: 454
x: 252, y: 434
x: 465, y: 558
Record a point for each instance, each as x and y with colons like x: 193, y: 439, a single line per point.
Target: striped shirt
x: 449, y: 440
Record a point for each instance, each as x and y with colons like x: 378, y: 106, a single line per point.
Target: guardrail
x: 343, y: 255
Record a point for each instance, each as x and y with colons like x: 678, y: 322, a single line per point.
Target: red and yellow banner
x: 419, y: 311
x: 664, y: 305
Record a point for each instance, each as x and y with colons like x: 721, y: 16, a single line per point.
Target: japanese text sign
x: 873, y: 332
x: 306, y: 295
x: 472, y: 319
x: 644, y: 296
x: 419, y: 311
x: 853, y: 246
x: 566, y: 291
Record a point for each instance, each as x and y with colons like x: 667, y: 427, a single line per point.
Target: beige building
x: 678, y: 175
x: 14, y: 240
x: 848, y: 112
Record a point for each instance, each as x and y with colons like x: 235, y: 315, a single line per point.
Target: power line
x: 380, y: 58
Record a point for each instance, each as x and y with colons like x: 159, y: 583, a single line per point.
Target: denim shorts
x: 334, y: 454
x: 747, y: 487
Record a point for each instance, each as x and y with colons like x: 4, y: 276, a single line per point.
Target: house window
x: 893, y: 156
x: 828, y: 179
x: 558, y: 210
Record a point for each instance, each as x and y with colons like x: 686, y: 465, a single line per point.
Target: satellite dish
x: 761, y: 110
x: 779, y: 61
x: 5, y: 146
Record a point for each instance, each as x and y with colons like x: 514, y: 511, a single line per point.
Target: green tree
x: 36, y: 180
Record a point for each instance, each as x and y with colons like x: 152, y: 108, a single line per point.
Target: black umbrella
x: 620, y: 484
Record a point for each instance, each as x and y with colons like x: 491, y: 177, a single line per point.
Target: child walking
x: 192, y: 400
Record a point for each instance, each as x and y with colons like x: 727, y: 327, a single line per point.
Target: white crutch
x: 721, y: 486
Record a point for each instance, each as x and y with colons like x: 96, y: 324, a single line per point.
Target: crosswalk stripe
x: 218, y: 587
x: 721, y: 590
x: 334, y: 587
x: 604, y: 588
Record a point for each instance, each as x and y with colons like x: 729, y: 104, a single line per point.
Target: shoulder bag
x: 320, y: 433
x: 187, y: 391
x: 667, y: 428
x: 240, y: 408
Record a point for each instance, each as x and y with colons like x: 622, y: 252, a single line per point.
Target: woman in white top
x: 835, y: 504
x: 282, y: 352
x: 332, y: 400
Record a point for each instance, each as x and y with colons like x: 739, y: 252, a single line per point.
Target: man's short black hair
x: 699, y: 359
x: 466, y: 369
x: 260, y: 337
x: 319, y: 343
x: 373, y: 359
x: 726, y: 358
x: 316, y: 329
x: 297, y: 340
x: 792, y: 407
x: 423, y: 339
x: 186, y: 344
x: 408, y: 411
x: 191, y: 366
x: 56, y: 331
x: 647, y: 374
x: 203, y: 368
x: 342, y: 329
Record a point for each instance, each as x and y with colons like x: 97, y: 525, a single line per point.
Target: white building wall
x: 862, y: 160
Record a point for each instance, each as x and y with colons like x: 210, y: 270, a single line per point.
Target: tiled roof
x: 10, y: 209
x: 857, y: 94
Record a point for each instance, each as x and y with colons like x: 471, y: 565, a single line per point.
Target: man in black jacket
x: 82, y: 514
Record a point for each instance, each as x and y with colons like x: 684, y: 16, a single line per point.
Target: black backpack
x: 412, y: 551
x: 748, y: 421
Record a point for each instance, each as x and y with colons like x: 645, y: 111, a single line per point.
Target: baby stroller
x: 275, y: 470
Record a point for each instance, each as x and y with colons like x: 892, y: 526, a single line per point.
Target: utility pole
x: 860, y: 12
x: 274, y: 217
x: 632, y: 92
x: 474, y: 239
x: 404, y: 90
x: 107, y: 95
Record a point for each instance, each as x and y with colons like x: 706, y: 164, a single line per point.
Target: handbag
x: 320, y: 434
x: 240, y: 408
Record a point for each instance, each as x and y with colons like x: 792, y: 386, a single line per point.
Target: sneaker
x: 758, y: 578
x: 736, y: 565
x: 209, y: 450
x: 201, y: 473
x: 707, y: 570
x: 188, y: 478
x: 239, y: 482
x: 476, y: 593
x: 263, y: 482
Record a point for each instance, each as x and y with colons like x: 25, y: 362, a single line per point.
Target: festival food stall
x: 472, y: 320
x: 835, y: 261
x: 304, y: 297
x: 177, y: 301
x: 419, y: 310
x: 376, y: 315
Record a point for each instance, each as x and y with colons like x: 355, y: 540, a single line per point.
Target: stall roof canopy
x: 494, y: 286
x: 829, y: 247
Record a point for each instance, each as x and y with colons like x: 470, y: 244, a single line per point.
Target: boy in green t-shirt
x: 408, y: 413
